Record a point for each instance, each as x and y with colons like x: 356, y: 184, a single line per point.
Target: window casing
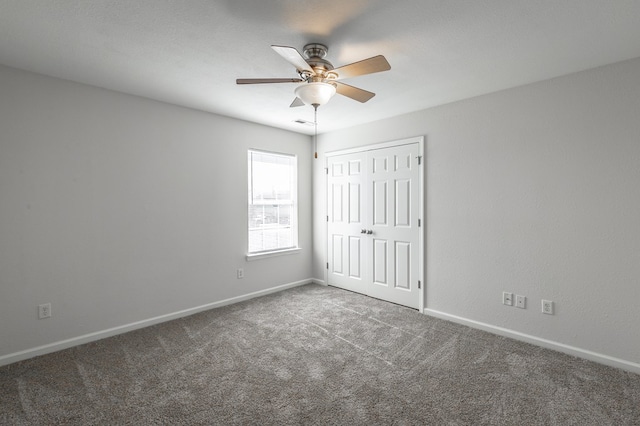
x: 273, y: 206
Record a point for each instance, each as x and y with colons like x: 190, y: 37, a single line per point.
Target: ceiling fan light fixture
x: 315, y: 93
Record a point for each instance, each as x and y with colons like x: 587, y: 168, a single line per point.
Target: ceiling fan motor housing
x: 314, y: 55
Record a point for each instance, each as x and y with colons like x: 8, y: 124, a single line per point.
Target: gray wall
x: 533, y: 190
x: 117, y: 209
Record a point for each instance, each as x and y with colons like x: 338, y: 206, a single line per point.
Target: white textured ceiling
x: 189, y: 52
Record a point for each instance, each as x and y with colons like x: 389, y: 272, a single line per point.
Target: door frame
x: 422, y: 228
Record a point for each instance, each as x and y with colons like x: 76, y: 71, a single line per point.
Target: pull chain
x: 315, y: 135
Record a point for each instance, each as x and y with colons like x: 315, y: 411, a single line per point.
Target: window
x: 273, y: 207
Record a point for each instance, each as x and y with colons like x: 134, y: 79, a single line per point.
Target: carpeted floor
x: 314, y: 355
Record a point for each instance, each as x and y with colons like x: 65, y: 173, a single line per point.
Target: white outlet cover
x: 44, y: 311
x: 507, y: 298
x: 521, y: 301
x: 547, y: 307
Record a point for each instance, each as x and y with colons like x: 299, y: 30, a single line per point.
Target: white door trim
x: 421, y: 240
x: 417, y: 139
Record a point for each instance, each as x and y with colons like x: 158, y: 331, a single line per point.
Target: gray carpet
x: 314, y: 355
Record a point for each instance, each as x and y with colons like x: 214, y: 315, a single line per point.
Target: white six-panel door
x: 373, y: 228
x: 346, y: 207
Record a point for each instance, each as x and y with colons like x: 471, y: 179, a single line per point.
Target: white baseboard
x: 549, y: 344
x: 318, y: 281
x: 91, y: 337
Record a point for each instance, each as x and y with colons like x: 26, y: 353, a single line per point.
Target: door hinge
x: 419, y: 157
x: 327, y: 218
x: 419, y: 223
x: 327, y: 265
x: 419, y: 284
x: 326, y: 170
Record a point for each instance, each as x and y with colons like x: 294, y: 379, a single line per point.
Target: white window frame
x: 293, y: 225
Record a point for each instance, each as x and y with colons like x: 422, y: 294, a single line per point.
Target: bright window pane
x: 272, y: 202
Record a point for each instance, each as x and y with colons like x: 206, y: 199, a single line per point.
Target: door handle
x: 364, y: 231
x: 370, y: 231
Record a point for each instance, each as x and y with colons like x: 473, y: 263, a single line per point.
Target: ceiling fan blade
x: 267, y: 80
x: 366, y: 66
x: 294, y: 57
x: 297, y: 102
x: 355, y: 93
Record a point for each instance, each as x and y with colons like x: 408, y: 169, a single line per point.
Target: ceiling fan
x: 319, y: 76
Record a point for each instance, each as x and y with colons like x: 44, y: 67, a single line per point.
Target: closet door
x: 393, y: 215
x: 346, y: 207
x: 373, y: 232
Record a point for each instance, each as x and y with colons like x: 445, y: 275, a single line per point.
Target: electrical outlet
x: 521, y: 301
x: 44, y: 311
x: 547, y: 307
x: 240, y: 273
x: 507, y: 298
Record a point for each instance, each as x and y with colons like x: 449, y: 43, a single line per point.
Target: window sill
x: 258, y: 256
